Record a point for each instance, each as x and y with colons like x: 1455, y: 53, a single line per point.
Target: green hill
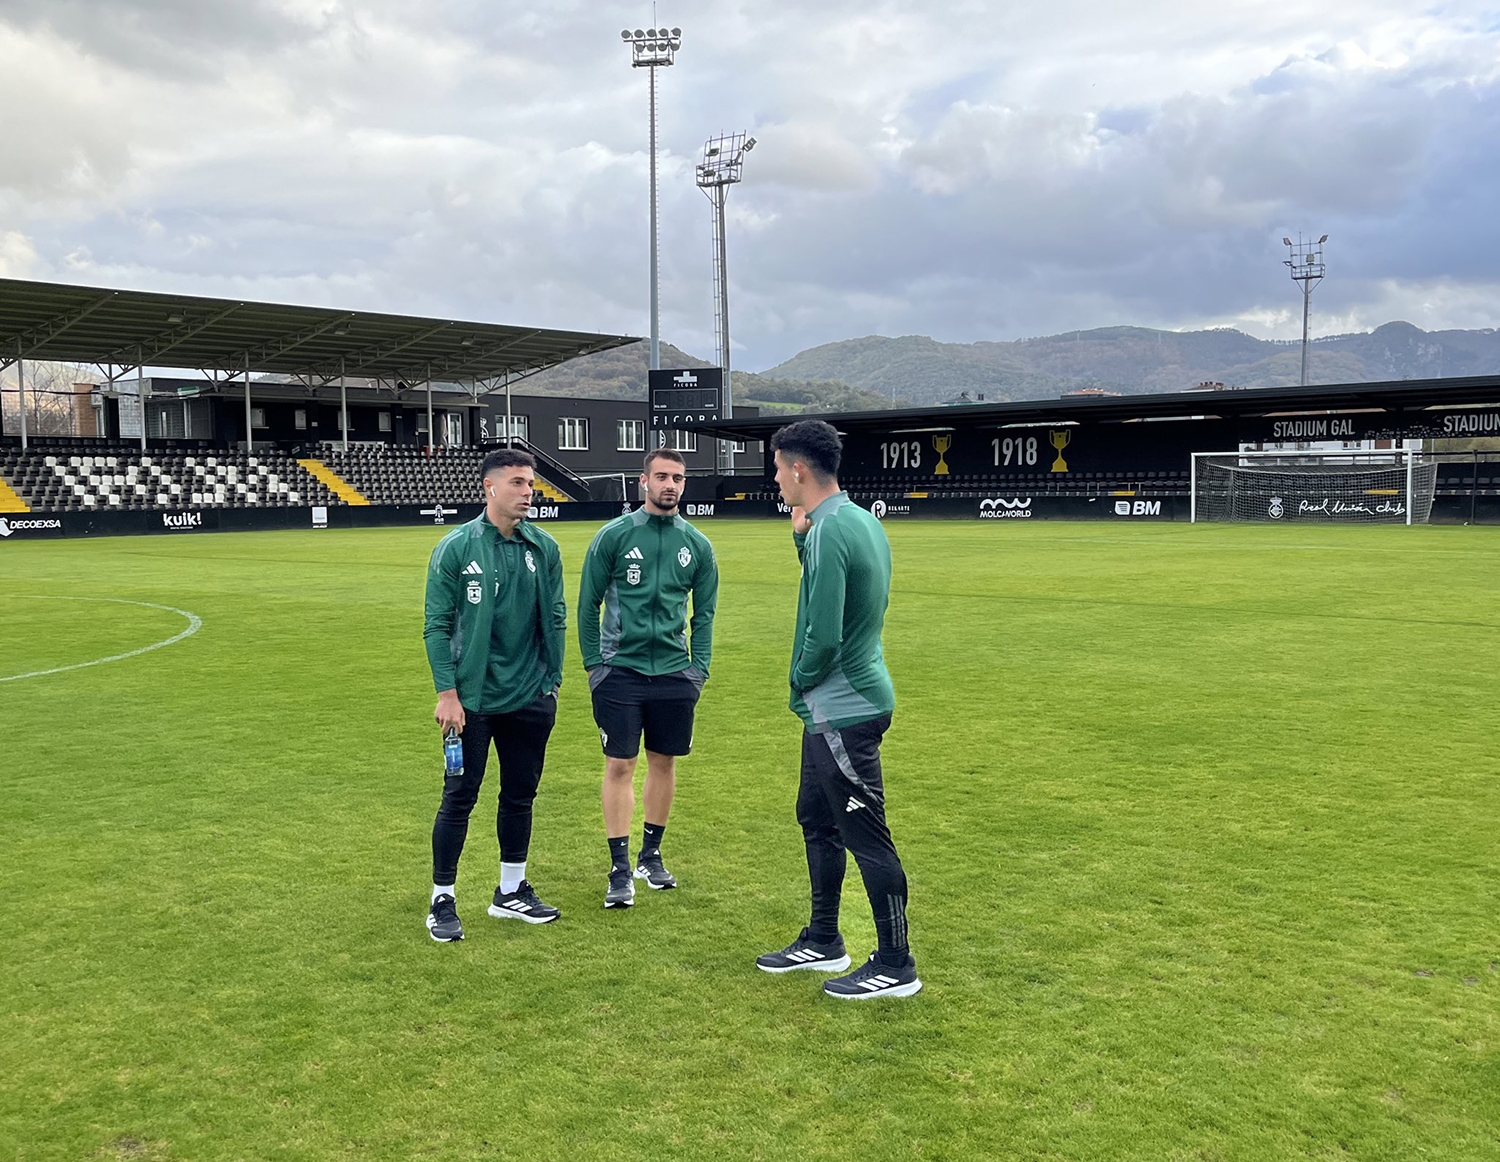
x: 1134, y: 359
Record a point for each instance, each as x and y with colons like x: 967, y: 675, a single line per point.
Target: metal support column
x: 509, y: 427
x: 343, y: 404
x: 21, y: 391
x: 1306, y: 310
x: 429, y: 411
x: 140, y: 394
x: 721, y: 278
x: 249, y: 418
x: 655, y: 295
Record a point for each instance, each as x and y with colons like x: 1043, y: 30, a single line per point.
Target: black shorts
x: 628, y: 704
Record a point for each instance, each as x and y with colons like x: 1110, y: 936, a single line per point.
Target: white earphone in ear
x: 797, y: 476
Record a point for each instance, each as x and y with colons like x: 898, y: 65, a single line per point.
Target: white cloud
x: 959, y: 170
x: 17, y: 255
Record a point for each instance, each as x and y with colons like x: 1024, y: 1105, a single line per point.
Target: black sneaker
x: 442, y: 922
x: 522, y: 904
x: 874, y: 979
x: 621, y: 893
x: 805, y: 953
x: 649, y: 868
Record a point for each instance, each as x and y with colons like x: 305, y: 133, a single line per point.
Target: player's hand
x: 450, y: 712
x: 801, y: 522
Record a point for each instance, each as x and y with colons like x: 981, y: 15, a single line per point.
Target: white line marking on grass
x: 195, y: 623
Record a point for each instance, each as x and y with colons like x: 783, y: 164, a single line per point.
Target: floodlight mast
x: 1306, y: 266
x: 651, y: 49
x: 721, y: 167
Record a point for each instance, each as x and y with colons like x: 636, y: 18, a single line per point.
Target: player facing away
x: 843, y: 694
x: 495, y: 628
x: 644, y: 673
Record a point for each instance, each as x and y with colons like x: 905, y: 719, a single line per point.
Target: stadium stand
x: 87, y: 475
x: 384, y: 474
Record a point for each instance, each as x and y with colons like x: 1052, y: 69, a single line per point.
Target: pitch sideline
x: 195, y: 623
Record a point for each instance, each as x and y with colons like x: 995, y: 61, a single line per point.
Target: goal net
x: 1393, y: 486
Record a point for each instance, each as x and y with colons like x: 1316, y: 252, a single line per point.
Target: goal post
x: 1337, y: 486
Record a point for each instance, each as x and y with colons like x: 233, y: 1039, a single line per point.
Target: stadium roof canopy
x: 223, y: 338
x: 1394, y: 396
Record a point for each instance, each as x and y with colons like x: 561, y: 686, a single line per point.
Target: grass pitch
x: 1200, y: 824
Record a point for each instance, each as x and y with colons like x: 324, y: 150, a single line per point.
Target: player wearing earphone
x: 494, y: 631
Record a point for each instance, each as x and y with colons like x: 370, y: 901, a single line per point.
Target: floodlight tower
x: 723, y: 161
x: 1306, y: 265
x: 652, y: 49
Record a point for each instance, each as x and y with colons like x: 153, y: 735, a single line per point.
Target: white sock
x: 443, y: 890
x: 511, y: 875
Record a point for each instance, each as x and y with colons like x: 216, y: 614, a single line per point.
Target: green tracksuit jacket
x: 838, y: 673
x: 463, y: 594
x: 641, y: 569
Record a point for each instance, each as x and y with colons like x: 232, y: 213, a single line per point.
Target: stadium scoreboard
x: 691, y: 395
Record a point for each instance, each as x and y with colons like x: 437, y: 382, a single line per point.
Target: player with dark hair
x: 495, y: 628
x: 645, y: 678
x: 843, y: 694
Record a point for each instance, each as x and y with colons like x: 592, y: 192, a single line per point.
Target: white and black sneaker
x: 649, y: 868
x: 442, y: 922
x: 621, y: 893
x: 874, y: 979
x: 805, y: 953
x: 522, y: 904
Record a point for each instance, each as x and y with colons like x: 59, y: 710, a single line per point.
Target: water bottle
x: 453, y: 755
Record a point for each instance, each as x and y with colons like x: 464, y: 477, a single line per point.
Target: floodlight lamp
x: 175, y: 317
x: 640, y: 34
x: 1287, y: 241
x: 749, y: 144
x: 677, y: 32
x: 651, y: 33
x: 1322, y: 240
x: 624, y: 34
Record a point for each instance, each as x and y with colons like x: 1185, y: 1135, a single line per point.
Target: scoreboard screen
x: 685, y: 399
x: 690, y: 395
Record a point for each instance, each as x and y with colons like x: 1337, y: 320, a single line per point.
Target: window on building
x: 630, y: 435
x: 257, y: 417
x: 299, y: 419
x: 385, y: 421
x: 520, y: 427
x: 683, y: 441
x: 422, y: 422
x: 572, y: 434
x: 739, y: 447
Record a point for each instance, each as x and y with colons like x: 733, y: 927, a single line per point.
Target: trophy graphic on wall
x: 1060, y: 441
x: 940, y: 445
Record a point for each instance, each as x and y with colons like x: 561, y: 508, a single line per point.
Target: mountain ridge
x: 1133, y: 360
x: 877, y: 371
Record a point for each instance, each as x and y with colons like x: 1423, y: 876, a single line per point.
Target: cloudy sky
x: 957, y: 169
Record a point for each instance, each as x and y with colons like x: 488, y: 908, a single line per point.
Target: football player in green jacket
x: 495, y: 628
x: 644, y: 674
x: 842, y: 692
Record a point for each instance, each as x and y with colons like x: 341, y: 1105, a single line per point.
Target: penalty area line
x: 194, y: 624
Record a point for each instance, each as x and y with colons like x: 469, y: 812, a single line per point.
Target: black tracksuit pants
x: 520, y: 740
x: 841, y: 806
